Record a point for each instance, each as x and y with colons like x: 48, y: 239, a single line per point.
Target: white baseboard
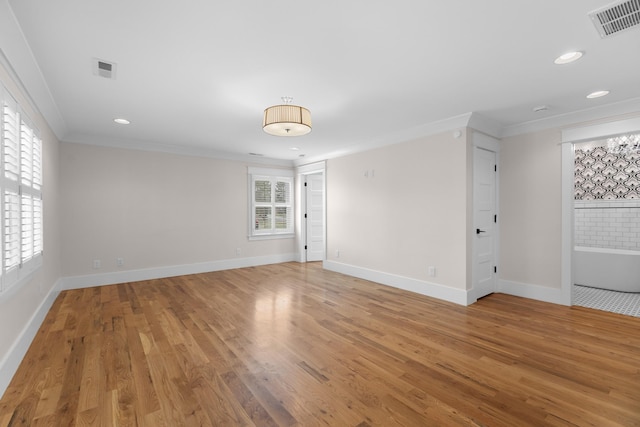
x: 9, y: 365
x: 88, y: 281
x: 537, y: 292
x: 446, y: 293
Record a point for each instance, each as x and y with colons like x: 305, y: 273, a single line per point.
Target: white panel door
x: 315, y: 217
x: 484, y: 205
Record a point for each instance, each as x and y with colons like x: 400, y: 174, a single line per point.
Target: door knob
x: 478, y: 231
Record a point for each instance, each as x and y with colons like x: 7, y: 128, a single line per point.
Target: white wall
x: 23, y: 307
x: 401, y: 208
x: 530, y: 212
x: 153, y: 210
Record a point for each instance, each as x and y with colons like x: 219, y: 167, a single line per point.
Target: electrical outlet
x: 432, y: 271
x: 337, y: 254
x: 119, y: 262
x: 97, y: 264
x: 238, y: 251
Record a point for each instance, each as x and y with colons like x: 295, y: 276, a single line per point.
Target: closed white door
x: 315, y: 217
x: 484, y: 233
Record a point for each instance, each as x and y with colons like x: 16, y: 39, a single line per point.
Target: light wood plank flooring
x: 294, y: 345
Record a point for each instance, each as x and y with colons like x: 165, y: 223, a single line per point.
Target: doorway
x: 571, y: 137
x: 606, y: 253
x: 314, y: 217
x: 311, y: 217
x: 485, y: 220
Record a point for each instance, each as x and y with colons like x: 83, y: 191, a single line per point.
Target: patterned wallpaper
x: 607, y: 175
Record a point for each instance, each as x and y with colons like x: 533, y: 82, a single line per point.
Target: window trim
x: 272, y: 174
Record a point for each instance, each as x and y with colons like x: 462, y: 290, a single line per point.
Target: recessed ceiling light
x: 540, y: 108
x: 568, y: 57
x: 121, y: 121
x: 598, y: 94
x: 295, y: 148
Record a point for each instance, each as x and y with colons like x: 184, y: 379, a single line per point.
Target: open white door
x: 484, y: 220
x: 315, y: 217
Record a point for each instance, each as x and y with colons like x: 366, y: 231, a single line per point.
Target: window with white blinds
x: 20, y: 194
x: 271, y: 203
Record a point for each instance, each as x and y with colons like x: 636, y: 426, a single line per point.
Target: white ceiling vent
x: 105, y: 69
x: 616, y: 17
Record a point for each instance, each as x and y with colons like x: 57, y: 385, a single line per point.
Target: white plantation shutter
x: 271, y: 203
x: 263, y: 212
x: 37, y: 227
x: 26, y: 155
x: 26, y: 228
x: 284, y: 208
x: 31, y: 179
x: 37, y: 163
x: 262, y: 189
x: 10, y: 142
x: 21, y: 194
x: 11, y: 230
x: 10, y: 194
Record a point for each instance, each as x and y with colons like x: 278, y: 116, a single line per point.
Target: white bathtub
x: 614, y: 269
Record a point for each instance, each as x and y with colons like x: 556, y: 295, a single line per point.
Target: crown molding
x: 575, y: 117
x: 17, y: 58
x: 130, y: 144
x: 457, y: 122
x: 485, y: 125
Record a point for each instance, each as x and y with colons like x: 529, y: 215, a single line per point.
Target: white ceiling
x: 197, y: 75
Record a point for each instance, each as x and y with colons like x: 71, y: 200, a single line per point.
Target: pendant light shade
x: 286, y: 119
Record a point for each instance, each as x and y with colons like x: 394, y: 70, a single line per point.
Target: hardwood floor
x: 292, y: 344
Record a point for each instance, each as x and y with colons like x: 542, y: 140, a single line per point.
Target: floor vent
x: 616, y: 17
x: 107, y: 69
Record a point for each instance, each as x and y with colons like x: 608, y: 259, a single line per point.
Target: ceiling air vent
x: 105, y: 69
x: 616, y: 17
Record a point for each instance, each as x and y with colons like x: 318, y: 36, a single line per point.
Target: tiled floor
x: 601, y: 299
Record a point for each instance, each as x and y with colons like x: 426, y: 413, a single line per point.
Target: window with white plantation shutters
x: 21, y: 194
x: 271, y: 203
